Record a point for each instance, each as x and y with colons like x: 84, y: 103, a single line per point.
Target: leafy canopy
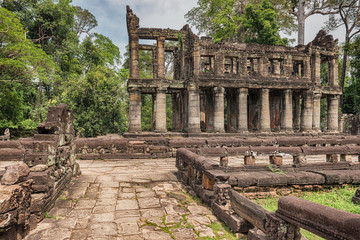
x: 223, y: 19
x: 260, y: 25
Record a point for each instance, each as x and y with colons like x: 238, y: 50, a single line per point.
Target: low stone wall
x: 117, y: 147
x: 292, y: 213
x: 212, y: 181
x: 46, y: 164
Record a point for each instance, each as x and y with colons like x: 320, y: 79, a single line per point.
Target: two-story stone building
x: 232, y: 86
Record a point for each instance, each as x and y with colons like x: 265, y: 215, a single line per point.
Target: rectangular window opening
x: 207, y: 64
x: 231, y: 65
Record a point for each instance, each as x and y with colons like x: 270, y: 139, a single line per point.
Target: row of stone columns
x: 309, y: 120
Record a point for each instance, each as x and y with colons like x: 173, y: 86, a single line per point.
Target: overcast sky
x: 111, y: 17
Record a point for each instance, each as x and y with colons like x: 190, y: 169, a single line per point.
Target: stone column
x: 316, y: 112
x: 333, y: 113
x: 219, y: 109
x: 333, y: 72
x: 160, y: 122
x: 242, y: 110
x: 134, y: 58
x: 316, y: 68
x: 193, y: 109
x: 134, y: 110
x: 297, y: 111
x: 265, y: 111
x: 276, y: 65
x: 306, y: 113
x: 287, y: 116
x: 161, y: 57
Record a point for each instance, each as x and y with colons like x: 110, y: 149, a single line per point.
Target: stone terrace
x: 127, y: 199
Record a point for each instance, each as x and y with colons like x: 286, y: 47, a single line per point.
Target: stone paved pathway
x: 128, y: 199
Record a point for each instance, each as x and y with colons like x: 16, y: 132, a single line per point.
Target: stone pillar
x: 134, y: 57
x: 306, y: 113
x: 342, y: 123
x: 287, y: 116
x: 155, y: 63
x: 134, y: 110
x: 297, y: 111
x: 265, y: 111
x: 316, y: 112
x: 193, y: 109
x: 333, y: 113
x: 333, y: 72
x: 315, y: 71
x: 219, y: 64
x: 160, y: 122
x: 242, y: 119
x: 219, y: 109
x: 161, y: 57
x: 276, y: 65
x: 175, y: 113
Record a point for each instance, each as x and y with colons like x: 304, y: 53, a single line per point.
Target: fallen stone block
x: 15, y: 174
x: 43, y: 181
x: 10, y: 154
x: 233, y: 221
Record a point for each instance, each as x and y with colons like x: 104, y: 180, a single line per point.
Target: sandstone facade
x: 232, y: 86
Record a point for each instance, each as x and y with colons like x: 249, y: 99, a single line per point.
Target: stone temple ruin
x: 218, y: 92
x: 264, y: 88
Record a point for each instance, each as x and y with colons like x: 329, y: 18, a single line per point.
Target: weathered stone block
x: 334, y: 158
x: 299, y: 158
x: 356, y: 198
x: 44, y: 158
x: 224, y: 161
x: 276, y: 159
x: 10, y: 154
x: 345, y: 158
x: 207, y: 182
x: 43, y: 181
x: 233, y: 221
x: 15, y: 174
x: 191, y: 173
x: 249, y: 160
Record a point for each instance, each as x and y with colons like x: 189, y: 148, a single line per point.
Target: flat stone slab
x: 105, y: 203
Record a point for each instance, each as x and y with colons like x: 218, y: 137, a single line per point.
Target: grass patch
x: 339, y: 198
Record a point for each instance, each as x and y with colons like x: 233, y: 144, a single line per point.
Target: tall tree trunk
x: 343, y: 74
x: 40, y: 99
x: 301, y: 22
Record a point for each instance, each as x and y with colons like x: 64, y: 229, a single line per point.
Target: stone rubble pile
x: 46, y: 164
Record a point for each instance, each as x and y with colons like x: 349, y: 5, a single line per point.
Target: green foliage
x: 351, y: 92
x: 20, y: 59
x: 99, y: 101
x: 227, y: 21
x: 275, y: 169
x: 260, y: 24
x: 85, y: 21
x: 22, y: 65
x: 222, y: 19
x: 146, y: 112
x: 99, y: 50
x: 339, y: 198
x: 59, y: 67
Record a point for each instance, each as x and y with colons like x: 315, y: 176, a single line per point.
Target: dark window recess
x: 231, y: 65
x: 207, y: 64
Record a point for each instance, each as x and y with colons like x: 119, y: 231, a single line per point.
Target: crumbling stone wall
x: 46, y: 165
x: 264, y: 88
x: 214, y: 184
